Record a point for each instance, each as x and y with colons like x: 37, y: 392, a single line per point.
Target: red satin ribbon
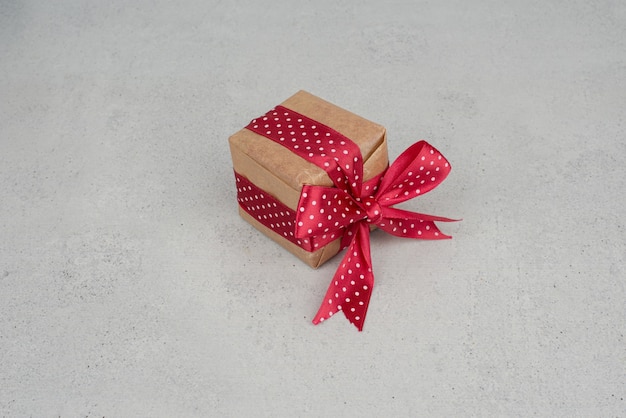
x: 352, y: 205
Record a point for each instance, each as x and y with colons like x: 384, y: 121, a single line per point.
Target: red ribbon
x: 352, y: 205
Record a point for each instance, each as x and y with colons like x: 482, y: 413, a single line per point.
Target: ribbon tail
x: 351, y: 287
x: 405, y: 224
x: 408, y: 215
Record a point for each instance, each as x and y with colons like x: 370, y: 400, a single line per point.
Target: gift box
x: 316, y: 179
x: 273, y: 173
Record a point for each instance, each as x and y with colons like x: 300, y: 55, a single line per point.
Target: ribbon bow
x: 353, y: 206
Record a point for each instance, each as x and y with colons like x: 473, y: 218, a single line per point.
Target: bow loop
x: 324, y: 210
x: 415, y: 172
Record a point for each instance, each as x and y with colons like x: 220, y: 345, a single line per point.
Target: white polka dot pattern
x: 351, y: 287
x: 321, y: 208
x: 273, y: 214
x: 339, y: 156
x: 266, y: 209
x: 347, y: 209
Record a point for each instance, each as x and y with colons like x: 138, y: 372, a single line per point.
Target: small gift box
x: 270, y: 171
x: 316, y: 179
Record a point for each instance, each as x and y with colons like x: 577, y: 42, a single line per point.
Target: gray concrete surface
x: 130, y: 287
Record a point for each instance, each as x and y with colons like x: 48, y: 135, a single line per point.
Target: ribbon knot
x: 372, y: 209
x: 347, y: 212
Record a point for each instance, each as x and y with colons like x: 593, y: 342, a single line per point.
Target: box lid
x: 294, y: 171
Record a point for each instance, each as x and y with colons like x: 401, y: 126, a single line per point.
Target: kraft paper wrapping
x: 281, y: 173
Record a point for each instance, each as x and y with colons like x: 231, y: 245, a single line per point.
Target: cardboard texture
x: 282, y: 173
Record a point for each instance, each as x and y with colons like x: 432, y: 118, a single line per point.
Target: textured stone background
x: 130, y: 287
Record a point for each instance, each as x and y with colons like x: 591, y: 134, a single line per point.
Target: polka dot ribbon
x: 352, y: 206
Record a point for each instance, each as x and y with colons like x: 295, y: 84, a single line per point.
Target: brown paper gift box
x: 281, y: 173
